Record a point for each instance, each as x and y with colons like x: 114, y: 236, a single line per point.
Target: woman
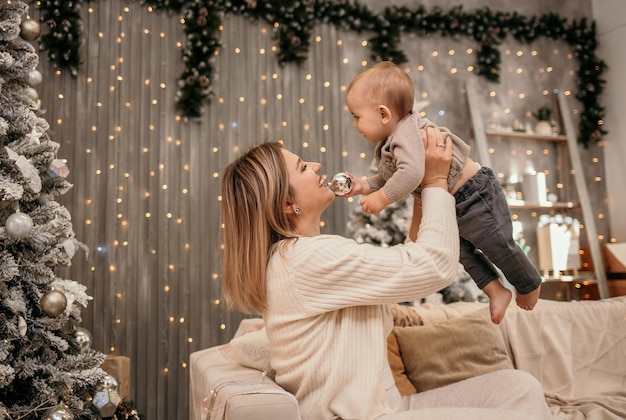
x: 324, y: 298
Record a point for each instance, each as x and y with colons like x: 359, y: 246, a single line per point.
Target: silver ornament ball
x: 34, y: 78
x: 83, y: 338
x: 58, y: 412
x: 341, y: 184
x: 31, y: 92
x: 109, y: 382
x: 19, y: 225
x: 53, y: 303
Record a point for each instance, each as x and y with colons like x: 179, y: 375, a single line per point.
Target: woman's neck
x: 308, y: 228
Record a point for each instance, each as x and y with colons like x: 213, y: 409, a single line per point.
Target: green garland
x: 294, y: 22
x: 64, y: 35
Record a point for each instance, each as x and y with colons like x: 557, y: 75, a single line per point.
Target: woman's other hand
x: 438, y: 157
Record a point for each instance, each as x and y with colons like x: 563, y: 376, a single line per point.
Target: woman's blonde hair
x: 387, y: 84
x: 255, y: 190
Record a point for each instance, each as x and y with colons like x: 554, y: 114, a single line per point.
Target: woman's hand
x: 438, y: 157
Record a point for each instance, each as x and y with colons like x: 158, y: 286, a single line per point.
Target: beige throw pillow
x: 450, y: 351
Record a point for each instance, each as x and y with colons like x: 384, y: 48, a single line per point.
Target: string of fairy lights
x: 161, y: 179
x: 293, y: 22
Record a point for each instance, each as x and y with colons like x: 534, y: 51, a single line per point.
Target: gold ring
x: 441, y: 145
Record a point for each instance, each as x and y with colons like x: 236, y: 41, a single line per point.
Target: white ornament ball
x: 19, y: 225
x: 34, y: 78
x: 83, y: 338
x: 53, y: 303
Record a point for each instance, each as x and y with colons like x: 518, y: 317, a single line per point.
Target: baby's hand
x: 375, y: 202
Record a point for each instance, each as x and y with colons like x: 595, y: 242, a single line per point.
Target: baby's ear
x: 385, y: 113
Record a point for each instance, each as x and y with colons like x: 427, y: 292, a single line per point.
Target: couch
x: 577, y: 351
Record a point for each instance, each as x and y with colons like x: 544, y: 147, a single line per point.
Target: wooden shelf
x: 581, y: 277
x: 557, y: 206
x: 525, y: 136
x: 566, y: 288
x: 568, y: 160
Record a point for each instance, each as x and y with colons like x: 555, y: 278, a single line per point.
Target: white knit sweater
x: 328, y: 318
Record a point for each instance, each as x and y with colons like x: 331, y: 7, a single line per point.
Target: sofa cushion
x: 452, y: 350
x: 404, y: 385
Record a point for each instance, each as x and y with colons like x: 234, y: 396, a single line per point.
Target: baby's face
x: 368, y: 118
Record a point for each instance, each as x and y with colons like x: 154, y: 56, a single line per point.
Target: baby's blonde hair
x: 387, y: 84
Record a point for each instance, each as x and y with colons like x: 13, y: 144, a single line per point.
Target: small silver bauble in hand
x: 341, y: 184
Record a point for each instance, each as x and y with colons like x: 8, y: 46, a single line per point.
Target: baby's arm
x: 375, y: 201
x: 407, y: 150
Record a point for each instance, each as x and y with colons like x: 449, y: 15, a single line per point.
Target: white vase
x: 543, y: 128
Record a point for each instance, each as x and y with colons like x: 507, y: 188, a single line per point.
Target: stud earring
x: 297, y: 211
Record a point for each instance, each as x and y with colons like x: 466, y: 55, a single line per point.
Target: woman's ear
x: 289, y: 207
x: 385, y: 113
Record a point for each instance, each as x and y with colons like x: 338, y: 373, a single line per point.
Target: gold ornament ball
x: 30, y: 29
x: 53, y: 303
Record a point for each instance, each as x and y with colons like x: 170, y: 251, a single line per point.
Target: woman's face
x: 311, y: 192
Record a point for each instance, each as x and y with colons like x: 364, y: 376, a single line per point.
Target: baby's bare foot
x: 529, y: 300
x: 498, y: 302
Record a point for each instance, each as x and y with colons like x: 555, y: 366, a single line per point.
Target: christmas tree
x: 390, y: 227
x: 48, y: 369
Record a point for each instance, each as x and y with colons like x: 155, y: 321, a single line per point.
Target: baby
x: 381, y: 101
